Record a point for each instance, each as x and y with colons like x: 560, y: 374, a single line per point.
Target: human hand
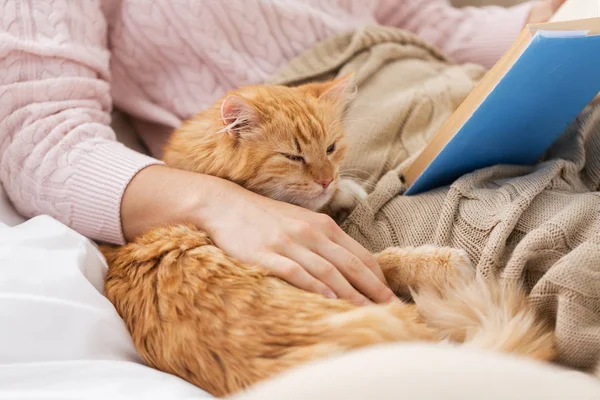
x: 543, y: 10
x: 302, y: 247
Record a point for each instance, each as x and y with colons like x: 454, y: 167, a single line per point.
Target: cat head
x: 286, y: 143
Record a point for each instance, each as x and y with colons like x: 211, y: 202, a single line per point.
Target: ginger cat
x: 223, y: 325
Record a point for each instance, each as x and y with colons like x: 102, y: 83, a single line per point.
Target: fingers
x: 327, y: 273
x: 316, y: 255
x: 356, y: 264
x: 355, y: 271
x: 365, y: 256
x: 556, y: 4
x: 291, y: 272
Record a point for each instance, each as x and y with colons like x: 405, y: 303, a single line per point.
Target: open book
x: 521, y: 106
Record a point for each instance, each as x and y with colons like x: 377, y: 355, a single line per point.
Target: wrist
x: 160, y: 195
x: 204, y: 201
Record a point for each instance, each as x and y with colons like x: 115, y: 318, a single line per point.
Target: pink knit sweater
x: 65, y: 63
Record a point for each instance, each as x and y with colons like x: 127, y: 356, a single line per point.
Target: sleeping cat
x: 197, y: 313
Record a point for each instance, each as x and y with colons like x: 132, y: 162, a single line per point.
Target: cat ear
x: 339, y: 89
x: 237, y: 114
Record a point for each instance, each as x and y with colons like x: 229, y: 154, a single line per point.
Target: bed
x: 62, y: 339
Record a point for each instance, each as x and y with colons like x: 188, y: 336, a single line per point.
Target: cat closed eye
x: 331, y: 148
x: 293, y: 157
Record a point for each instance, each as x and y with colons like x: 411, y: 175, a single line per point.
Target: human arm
x: 58, y: 154
x: 542, y: 11
x: 305, y: 248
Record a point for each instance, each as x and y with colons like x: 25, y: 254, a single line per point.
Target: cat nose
x: 324, y: 182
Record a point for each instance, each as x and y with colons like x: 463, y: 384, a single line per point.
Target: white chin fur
x: 317, y: 203
x: 347, y: 196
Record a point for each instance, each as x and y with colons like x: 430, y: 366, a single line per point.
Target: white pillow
x: 60, y: 338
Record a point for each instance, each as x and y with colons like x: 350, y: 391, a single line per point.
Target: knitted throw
x: 537, y: 224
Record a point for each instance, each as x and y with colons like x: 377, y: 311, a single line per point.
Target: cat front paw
x: 346, y: 198
x: 455, y: 264
x: 425, y: 267
x: 460, y: 264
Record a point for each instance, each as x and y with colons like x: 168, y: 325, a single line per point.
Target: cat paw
x: 460, y: 264
x: 424, y: 267
x: 454, y: 263
x: 347, y: 196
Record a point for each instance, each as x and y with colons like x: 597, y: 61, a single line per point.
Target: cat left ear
x: 237, y: 114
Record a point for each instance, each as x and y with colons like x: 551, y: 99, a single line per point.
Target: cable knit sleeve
x: 471, y: 34
x: 58, y: 154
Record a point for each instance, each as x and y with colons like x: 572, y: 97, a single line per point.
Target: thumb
x: 556, y: 4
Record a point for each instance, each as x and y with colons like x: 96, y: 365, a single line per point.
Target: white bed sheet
x: 60, y: 338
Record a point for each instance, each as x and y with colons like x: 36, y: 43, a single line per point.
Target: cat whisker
x: 358, y: 174
x: 360, y: 171
x: 360, y: 181
x: 343, y: 118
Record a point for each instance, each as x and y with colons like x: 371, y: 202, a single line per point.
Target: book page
x: 563, y: 34
x: 577, y: 9
x: 564, y: 28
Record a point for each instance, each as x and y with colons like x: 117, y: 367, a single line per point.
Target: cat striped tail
x: 489, y: 315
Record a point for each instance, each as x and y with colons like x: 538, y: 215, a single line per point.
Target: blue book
x: 520, y: 107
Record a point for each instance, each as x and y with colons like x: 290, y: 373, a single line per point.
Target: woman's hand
x: 543, y: 10
x: 304, y: 248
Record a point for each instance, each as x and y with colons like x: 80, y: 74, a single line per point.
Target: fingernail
x: 392, y: 297
x: 330, y: 294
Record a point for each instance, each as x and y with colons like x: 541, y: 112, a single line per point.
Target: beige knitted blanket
x: 540, y: 225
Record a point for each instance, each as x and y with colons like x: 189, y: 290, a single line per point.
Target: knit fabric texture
x: 539, y: 225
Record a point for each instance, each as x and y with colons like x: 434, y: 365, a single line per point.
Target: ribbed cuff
x: 97, y: 190
x: 495, y: 38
